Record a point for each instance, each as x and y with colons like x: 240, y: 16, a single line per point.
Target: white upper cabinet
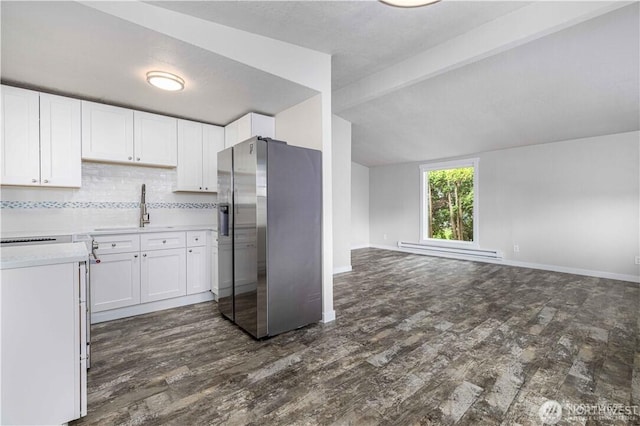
x: 189, y: 156
x: 20, y: 137
x: 40, y: 139
x: 107, y: 133
x: 60, y: 141
x: 247, y: 126
x: 121, y: 135
x: 155, y: 139
x: 198, y: 147
x: 212, y: 143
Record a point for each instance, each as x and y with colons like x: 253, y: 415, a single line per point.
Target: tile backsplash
x: 109, y: 197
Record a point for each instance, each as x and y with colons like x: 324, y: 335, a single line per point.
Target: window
x: 449, y: 202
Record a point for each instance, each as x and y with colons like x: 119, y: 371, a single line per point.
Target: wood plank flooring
x: 417, y: 340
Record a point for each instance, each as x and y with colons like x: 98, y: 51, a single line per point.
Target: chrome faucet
x: 144, y: 215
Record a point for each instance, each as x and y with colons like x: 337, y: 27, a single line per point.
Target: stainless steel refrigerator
x: 269, y: 236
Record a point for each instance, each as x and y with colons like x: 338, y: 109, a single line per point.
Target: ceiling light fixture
x: 408, y: 3
x: 165, y: 81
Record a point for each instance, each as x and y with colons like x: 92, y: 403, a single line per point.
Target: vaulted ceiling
x: 451, y: 79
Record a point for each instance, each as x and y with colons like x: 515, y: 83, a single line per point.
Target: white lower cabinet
x: 136, y: 269
x: 115, y: 281
x: 163, y: 274
x: 197, y: 270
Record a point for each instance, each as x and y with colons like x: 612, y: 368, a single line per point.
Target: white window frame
x: 454, y: 164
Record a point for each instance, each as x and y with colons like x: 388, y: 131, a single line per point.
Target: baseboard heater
x: 435, y: 250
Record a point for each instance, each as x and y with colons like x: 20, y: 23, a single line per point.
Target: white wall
x: 109, y: 197
x: 359, y: 206
x: 301, y: 125
x: 572, y: 205
x: 341, y: 163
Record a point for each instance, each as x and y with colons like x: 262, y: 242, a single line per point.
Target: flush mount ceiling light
x: 165, y: 81
x: 408, y: 3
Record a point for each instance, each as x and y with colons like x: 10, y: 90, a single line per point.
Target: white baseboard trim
x: 342, y: 269
x: 328, y: 316
x: 146, y: 308
x: 553, y: 268
x: 360, y: 246
x: 576, y: 271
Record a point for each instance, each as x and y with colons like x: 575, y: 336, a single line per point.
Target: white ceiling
x: 581, y: 81
x: 362, y: 36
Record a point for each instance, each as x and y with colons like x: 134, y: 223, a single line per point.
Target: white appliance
x: 43, y: 322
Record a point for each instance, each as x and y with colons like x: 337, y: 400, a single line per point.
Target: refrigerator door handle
x: 235, y: 200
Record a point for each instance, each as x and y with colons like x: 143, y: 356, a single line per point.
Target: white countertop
x: 42, y: 254
x: 157, y: 228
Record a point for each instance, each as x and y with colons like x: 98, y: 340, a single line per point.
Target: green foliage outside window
x: 449, y: 195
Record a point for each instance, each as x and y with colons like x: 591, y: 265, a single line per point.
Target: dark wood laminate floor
x: 417, y: 340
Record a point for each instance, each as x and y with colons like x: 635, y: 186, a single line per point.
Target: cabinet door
x: 262, y: 125
x: 244, y: 129
x: 190, y: 157
x: 60, y: 163
x: 115, y: 281
x: 19, y: 137
x: 198, y: 270
x: 107, y: 133
x: 163, y: 274
x: 156, y: 139
x: 213, y: 142
x: 231, y: 134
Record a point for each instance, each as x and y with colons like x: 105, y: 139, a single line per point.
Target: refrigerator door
x: 294, y: 244
x: 245, y: 250
x: 225, y: 233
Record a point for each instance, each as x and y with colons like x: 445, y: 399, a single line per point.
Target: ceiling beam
x: 506, y: 32
x: 304, y: 66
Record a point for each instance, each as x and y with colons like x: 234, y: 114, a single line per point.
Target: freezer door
x: 250, y: 189
x: 225, y: 233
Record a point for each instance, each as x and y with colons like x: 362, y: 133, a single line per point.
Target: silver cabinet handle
x: 46, y: 181
x: 135, y: 255
x: 113, y: 244
x: 190, y: 251
x: 164, y: 241
x: 130, y: 158
x: 34, y: 180
x: 144, y: 255
x: 196, y: 238
x: 138, y: 159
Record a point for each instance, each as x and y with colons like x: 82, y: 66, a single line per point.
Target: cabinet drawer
x: 162, y: 240
x: 117, y: 243
x: 196, y: 238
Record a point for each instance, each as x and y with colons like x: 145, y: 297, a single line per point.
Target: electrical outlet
x: 637, y: 260
x: 516, y: 248
x: 384, y: 236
